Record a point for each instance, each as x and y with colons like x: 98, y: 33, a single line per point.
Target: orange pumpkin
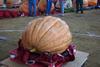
x: 52, y: 7
x: 43, y: 4
x: 92, y: 2
x: 24, y: 7
x: 85, y: 3
x: 9, y: 3
x: 48, y: 34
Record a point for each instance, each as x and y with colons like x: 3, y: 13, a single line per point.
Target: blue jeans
x: 48, y: 8
x: 79, y: 7
x: 32, y: 4
x: 62, y: 6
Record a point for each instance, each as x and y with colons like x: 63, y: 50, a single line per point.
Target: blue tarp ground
x: 92, y: 7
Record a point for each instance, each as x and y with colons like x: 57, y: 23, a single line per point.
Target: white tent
x: 16, y: 2
x: 67, y: 4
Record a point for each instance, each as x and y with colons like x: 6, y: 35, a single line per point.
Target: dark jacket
x: 79, y: 1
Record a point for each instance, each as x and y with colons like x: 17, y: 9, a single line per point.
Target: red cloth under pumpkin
x: 7, y: 13
x: 42, y: 59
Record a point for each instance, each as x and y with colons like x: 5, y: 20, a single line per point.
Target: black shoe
x: 82, y: 12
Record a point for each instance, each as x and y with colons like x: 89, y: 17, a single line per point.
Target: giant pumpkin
x: 48, y: 34
x: 42, y: 5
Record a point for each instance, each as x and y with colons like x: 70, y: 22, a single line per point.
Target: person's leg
x: 54, y: 2
x: 48, y: 7
x: 34, y: 7
x: 50, y: 1
x: 62, y: 6
x: 77, y: 7
x: 81, y: 8
x: 5, y: 1
x: 30, y: 8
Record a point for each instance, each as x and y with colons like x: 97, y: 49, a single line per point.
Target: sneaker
x: 83, y: 12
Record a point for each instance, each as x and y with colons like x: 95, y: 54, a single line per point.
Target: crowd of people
x: 79, y: 6
x: 32, y: 6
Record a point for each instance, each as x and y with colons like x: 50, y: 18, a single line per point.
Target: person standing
x: 55, y: 1
x: 79, y: 6
x: 62, y: 6
x: 5, y: 1
x: 48, y: 7
x: 32, y: 7
x: 98, y: 3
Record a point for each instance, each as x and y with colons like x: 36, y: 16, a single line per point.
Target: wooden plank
x: 80, y: 59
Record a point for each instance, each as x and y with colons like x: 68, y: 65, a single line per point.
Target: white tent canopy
x: 67, y: 3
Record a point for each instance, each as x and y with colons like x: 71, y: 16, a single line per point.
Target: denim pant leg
x: 81, y: 8
x: 48, y: 7
x: 77, y: 7
x: 62, y: 6
x: 30, y: 8
x: 34, y: 6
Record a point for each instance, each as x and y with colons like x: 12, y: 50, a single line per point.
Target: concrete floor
x: 86, y: 32
x: 85, y: 29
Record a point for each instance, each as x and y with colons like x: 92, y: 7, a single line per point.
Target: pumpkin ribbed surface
x: 24, y: 7
x: 9, y: 3
x: 92, y: 2
x: 85, y: 3
x: 48, y: 34
x: 43, y: 4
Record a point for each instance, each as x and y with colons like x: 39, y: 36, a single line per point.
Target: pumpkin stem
x: 33, y: 50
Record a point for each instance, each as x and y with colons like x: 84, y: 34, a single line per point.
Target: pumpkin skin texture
x: 43, y: 4
x: 24, y: 7
x: 48, y: 34
x: 9, y: 3
x: 92, y: 2
x: 85, y: 3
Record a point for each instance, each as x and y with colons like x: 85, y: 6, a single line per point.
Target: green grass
x: 68, y: 10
